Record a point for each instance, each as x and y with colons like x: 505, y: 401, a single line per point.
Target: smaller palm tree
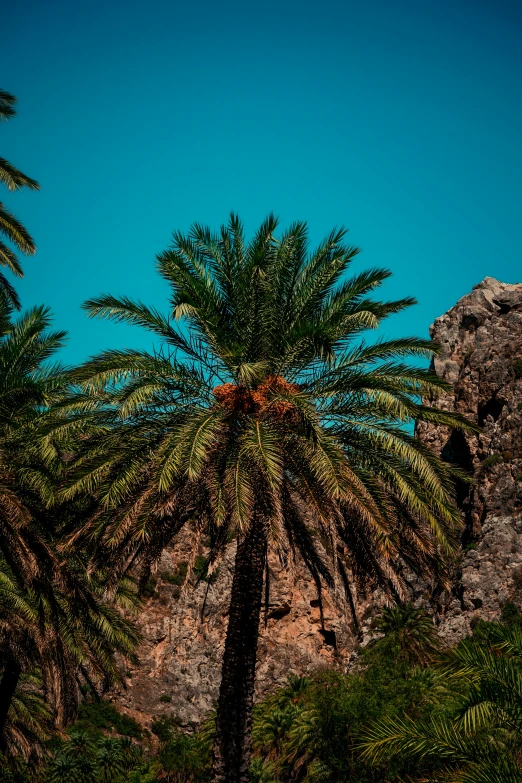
x: 65, y: 769
x: 29, y: 723
x: 54, y: 617
x: 271, y: 729
x: 110, y: 760
x: 294, y: 691
x: 10, y: 226
x: 481, y: 743
x: 300, y: 756
x: 409, y: 631
x: 285, y: 734
x: 262, y: 771
x: 183, y: 759
x: 83, y: 759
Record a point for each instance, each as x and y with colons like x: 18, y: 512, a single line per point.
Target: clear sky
x: 401, y: 119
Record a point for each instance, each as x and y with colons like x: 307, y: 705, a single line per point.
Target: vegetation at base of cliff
x: 407, y: 711
x: 97, y: 717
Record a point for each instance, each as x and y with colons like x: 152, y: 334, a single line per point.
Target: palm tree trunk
x: 234, y: 713
x: 8, y: 684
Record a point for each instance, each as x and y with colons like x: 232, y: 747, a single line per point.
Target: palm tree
x: 262, y: 771
x: 53, y: 616
x: 10, y: 227
x: 81, y: 759
x: 271, y: 729
x: 301, y: 756
x: 29, y: 722
x: 481, y: 743
x: 24, y: 387
x: 285, y: 731
x: 60, y: 624
x: 410, y: 632
x: 264, y: 413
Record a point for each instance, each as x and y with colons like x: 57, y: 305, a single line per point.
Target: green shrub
x: 179, y: 575
x: 510, y: 615
x: 165, y: 698
x: 14, y: 770
x: 164, y: 727
x: 308, y: 730
x: 150, y: 588
x: 201, y: 570
x: 517, y: 368
x: 95, y: 716
x: 182, y: 758
x: 492, y: 460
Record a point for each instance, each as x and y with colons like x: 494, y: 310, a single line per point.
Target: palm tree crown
x: 10, y: 226
x: 267, y: 398
x: 409, y: 632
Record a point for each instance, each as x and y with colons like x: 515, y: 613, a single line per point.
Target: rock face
x: 184, y: 635
x: 481, y: 341
x: 184, y: 630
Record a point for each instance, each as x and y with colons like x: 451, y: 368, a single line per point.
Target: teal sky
x: 401, y: 120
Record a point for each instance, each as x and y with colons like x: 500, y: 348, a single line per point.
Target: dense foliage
x: 56, y: 622
x: 394, y: 717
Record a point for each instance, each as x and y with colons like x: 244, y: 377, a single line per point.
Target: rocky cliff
x: 184, y: 635
x: 184, y: 629
x: 481, y: 341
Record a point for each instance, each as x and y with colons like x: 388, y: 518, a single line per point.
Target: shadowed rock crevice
x: 457, y: 451
x: 329, y: 637
x: 504, y: 309
x: 279, y: 612
x: 493, y: 408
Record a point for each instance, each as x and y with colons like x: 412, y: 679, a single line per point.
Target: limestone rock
x: 481, y: 342
x: 184, y: 635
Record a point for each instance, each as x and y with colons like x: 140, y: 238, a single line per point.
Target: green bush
x: 150, y: 588
x: 201, y: 570
x: 480, y: 738
x: 517, y: 368
x: 95, y: 717
x: 182, y: 758
x: 165, y: 727
x: 179, y: 575
x: 492, y: 460
x: 511, y: 615
x: 308, y: 731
